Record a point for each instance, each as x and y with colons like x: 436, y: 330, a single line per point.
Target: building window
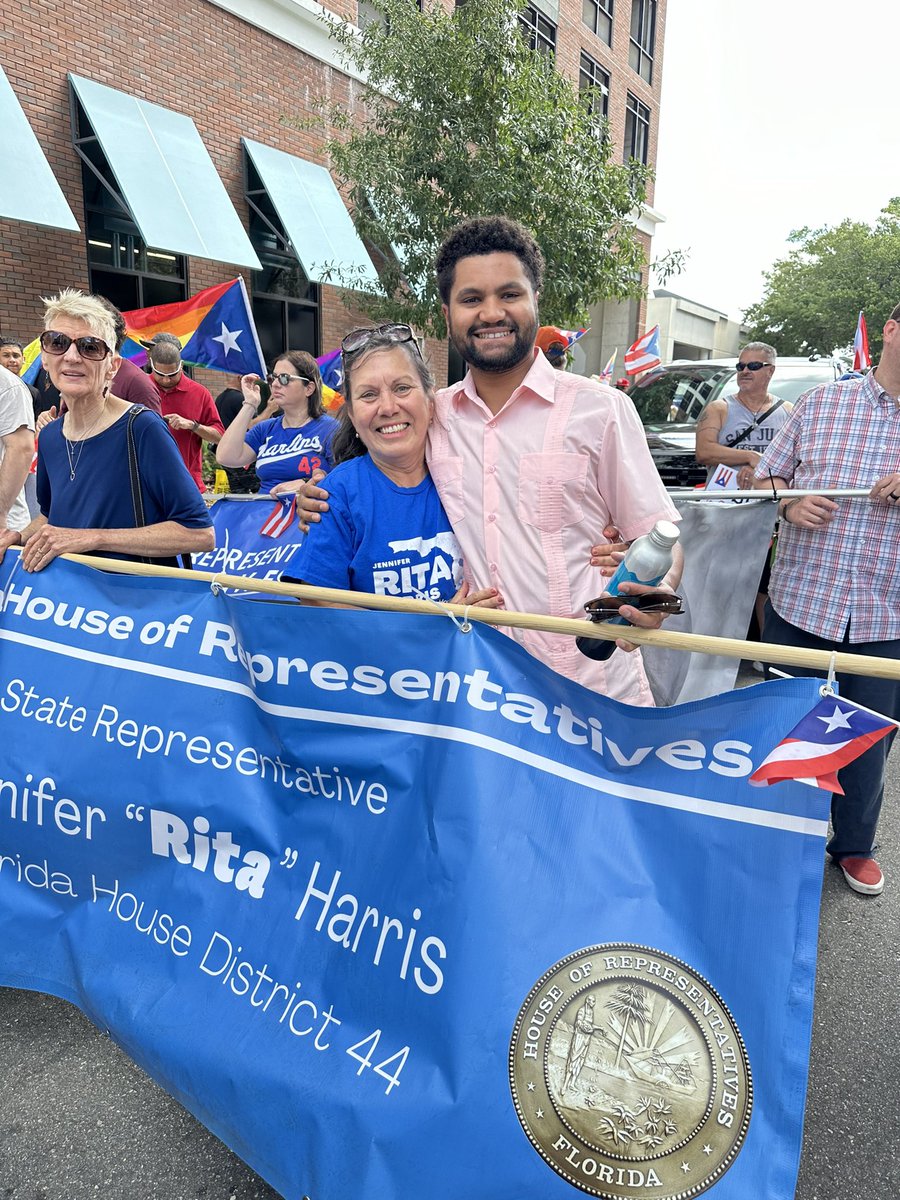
x: 643, y: 37
x: 539, y: 31
x: 593, y: 82
x: 637, y: 130
x: 285, y: 302
x: 598, y: 16
x: 121, y: 266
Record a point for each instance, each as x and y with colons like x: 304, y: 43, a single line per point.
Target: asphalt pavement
x: 78, y: 1121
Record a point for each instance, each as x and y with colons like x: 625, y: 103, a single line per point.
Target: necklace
x: 74, y: 456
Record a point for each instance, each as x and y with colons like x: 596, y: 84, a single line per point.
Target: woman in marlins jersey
x: 385, y: 530
x: 284, y: 450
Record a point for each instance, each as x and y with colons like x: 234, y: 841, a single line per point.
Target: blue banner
x: 242, y: 546
x: 397, y: 911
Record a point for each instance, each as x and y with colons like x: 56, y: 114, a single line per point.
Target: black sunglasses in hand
x: 605, y: 607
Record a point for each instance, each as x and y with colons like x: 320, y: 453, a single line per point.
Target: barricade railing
x: 766, y: 652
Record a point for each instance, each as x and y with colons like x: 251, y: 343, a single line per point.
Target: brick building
x: 229, y: 72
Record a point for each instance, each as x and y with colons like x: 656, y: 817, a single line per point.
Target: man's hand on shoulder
x: 311, y: 501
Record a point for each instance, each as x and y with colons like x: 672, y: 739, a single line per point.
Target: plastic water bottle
x: 646, y: 561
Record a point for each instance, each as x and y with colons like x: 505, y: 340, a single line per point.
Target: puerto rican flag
x: 829, y: 737
x: 861, y: 359
x: 606, y: 373
x: 280, y: 518
x: 644, y: 354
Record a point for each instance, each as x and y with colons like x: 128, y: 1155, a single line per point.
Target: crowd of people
x: 518, y: 487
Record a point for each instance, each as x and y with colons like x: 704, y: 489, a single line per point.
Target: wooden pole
x: 791, y: 656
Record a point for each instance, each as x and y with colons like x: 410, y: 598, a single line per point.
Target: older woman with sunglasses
x: 110, y: 480
x: 385, y: 530
x: 284, y: 450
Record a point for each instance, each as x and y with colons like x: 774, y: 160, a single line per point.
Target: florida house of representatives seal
x: 629, y: 1074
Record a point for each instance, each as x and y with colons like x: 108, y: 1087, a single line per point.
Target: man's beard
x: 468, y: 347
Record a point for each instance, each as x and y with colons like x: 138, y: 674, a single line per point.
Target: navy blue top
x: 382, y: 538
x: 99, y: 497
x: 283, y: 455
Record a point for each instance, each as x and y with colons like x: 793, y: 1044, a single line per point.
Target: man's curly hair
x: 487, y: 235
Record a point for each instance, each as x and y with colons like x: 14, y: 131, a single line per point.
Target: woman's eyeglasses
x: 392, y: 334
x: 605, y: 607
x: 751, y: 366
x: 284, y: 379
x: 93, y: 348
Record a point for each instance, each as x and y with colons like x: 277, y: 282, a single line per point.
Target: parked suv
x: 670, y: 399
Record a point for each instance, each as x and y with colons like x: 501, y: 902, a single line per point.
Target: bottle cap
x: 665, y: 532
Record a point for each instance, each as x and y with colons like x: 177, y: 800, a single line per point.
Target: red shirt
x: 132, y: 384
x: 191, y: 400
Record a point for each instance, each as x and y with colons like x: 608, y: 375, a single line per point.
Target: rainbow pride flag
x: 215, y: 328
x: 332, y: 372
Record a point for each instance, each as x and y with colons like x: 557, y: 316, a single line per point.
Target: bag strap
x: 134, y: 475
x: 754, y: 424
x: 137, y: 497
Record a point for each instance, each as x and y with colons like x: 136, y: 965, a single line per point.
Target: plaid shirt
x: 842, y: 435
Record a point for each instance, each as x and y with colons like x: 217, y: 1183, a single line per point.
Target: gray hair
x: 762, y: 348
x: 165, y: 353
x: 81, y: 306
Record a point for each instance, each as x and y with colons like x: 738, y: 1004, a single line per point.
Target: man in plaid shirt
x: 836, y: 579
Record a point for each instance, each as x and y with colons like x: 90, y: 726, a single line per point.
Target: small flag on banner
x: 829, y: 737
x: 861, y: 359
x: 280, y: 518
x: 607, y: 371
x: 644, y: 354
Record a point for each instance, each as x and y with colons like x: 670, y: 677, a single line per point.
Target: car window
x: 676, y: 396
x: 790, y: 385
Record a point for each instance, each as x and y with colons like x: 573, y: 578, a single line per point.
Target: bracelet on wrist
x: 785, y: 510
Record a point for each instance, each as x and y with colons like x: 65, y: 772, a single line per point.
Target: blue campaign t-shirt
x: 99, y: 497
x: 382, y: 538
x: 285, y: 454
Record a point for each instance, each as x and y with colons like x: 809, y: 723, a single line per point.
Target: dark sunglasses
x: 358, y: 339
x: 284, y: 378
x: 605, y: 607
x: 752, y: 366
x: 93, y: 348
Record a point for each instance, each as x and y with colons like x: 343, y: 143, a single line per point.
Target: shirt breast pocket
x: 551, y: 490
x: 447, y: 474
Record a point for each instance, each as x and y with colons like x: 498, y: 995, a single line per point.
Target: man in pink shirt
x: 533, y: 465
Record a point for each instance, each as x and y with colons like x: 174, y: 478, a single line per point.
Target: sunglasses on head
x: 751, y: 366
x: 94, y: 348
x: 605, y: 607
x: 358, y: 339
x: 284, y: 378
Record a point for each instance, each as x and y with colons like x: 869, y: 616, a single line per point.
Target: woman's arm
x: 232, y: 450
x: 44, y: 542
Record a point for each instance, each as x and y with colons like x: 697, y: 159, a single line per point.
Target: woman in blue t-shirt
x: 284, y: 450
x: 385, y: 530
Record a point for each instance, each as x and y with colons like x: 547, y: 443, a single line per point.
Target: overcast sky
x: 775, y: 116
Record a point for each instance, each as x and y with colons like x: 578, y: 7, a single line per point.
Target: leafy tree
x: 812, y: 298
x: 459, y: 118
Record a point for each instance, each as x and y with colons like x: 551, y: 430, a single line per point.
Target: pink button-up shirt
x: 530, y: 490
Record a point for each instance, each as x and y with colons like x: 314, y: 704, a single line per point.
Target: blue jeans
x: 854, y: 816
